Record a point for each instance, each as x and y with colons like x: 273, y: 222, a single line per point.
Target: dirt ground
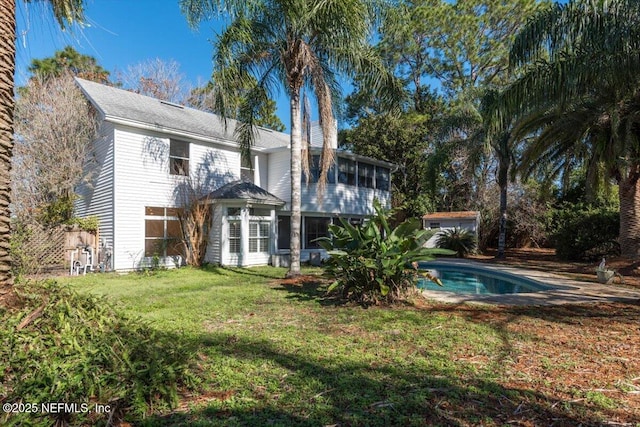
x: 579, y: 354
x: 546, y: 260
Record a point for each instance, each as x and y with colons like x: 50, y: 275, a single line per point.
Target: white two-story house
x: 149, y: 151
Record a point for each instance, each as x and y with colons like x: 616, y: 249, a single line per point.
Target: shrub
x: 373, y: 262
x: 583, y: 232
x: 463, y: 242
x: 90, y: 223
x: 64, y: 347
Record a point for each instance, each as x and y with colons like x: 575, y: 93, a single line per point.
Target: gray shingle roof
x: 244, y: 190
x: 120, y: 104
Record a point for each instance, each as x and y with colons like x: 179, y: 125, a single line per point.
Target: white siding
x: 278, y: 177
x: 317, y: 139
x: 142, y: 179
x: 96, y: 196
x: 338, y: 198
x: 211, y: 167
x: 342, y: 199
x: 261, y: 165
x: 214, y: 248
x: 449, y: 224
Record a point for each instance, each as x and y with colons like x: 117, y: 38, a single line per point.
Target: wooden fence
x: 49, y: 249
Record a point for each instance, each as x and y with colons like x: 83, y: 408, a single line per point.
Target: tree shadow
x: 625, y: 312
x: 247, y: 272
x: 358, y: 394
x: 311, y: 290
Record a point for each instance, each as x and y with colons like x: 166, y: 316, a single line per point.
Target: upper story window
x: 382, y: 178
x: 346, y: 171
x: 314, y: 171
x: 331, y: 174
x: 178, y: 157
x: 246, y: 171
x: 365, y: 175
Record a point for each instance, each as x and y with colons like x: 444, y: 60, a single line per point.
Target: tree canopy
x: 69, y: 60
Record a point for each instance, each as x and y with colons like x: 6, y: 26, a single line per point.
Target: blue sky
x: 121, y: 33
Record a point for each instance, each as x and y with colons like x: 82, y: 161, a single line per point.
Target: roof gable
x: 138, y: 109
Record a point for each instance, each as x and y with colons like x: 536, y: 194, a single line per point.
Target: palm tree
x: 296, y: 44
x: 66, y: 12
x: 580, y: 88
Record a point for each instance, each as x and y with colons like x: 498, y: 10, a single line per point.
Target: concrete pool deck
x: 566, y: 291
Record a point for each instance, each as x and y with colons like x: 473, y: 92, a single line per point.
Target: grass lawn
x: 272, y: 352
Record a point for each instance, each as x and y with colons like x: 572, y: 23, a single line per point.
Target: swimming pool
x: 467, y: 279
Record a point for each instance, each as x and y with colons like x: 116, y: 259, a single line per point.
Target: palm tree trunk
x: 629, y: 195
x: 502, y: 230
x: 7, y: 68
x: 503, y: 181
x: 296, y: 177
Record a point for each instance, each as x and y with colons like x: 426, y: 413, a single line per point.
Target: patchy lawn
x: 546, y: 260
x: 279, y: 352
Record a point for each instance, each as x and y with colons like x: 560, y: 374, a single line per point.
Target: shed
x: 469, y: 220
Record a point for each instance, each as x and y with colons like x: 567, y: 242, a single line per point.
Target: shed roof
x: 136, y: 109
x: 247, y: 191
x: 452, y: 215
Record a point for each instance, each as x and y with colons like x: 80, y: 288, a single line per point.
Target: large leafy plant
x: 373, y: 262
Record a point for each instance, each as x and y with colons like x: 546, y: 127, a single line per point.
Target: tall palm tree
x: 580, y: 88
x: 65, y: 12
x: 296, y: 44
x: 498, y: 136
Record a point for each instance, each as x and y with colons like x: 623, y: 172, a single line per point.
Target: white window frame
x: 184, y: 160
x: 259, y: 237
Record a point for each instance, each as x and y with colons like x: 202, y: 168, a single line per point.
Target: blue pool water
x: 465, y: 279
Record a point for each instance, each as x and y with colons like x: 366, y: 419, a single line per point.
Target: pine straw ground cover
x: 271, y: 351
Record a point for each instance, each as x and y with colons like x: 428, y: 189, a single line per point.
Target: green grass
x: 275, y: 354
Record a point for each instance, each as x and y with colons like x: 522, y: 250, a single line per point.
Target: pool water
x: 464, y: 279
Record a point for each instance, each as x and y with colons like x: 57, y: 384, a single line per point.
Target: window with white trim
x: 382, y: 178
x: 365, y: 175
x: 259, y: 236
x: 346, y: 171
x: 162, y: 232
x: 234, y: 237
x: 315, y: 167
x: 246, y: 171
x: 178, y: 157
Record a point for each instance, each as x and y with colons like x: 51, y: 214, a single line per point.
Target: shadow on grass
x: 239, y: 270
x: 311, y: 290
x: 358, y: 394
x: 625, y: 312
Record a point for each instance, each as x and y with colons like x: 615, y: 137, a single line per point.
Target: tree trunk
x: 296, y: 161
x: 629, y: 196
x: 7, y: 68
x: 502, y: 231
x: 503, y: 182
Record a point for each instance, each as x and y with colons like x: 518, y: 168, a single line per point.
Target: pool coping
x: 566, y: 291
